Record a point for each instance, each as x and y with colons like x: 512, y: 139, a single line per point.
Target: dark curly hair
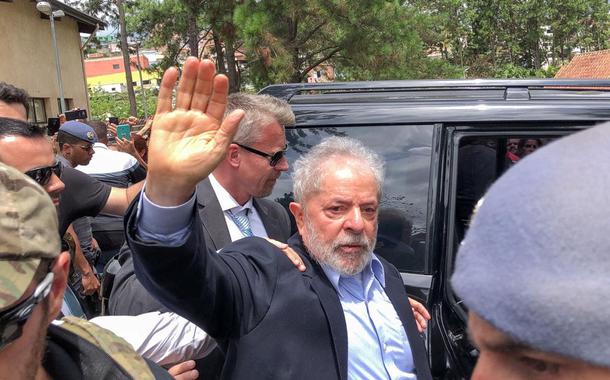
x: 10, y: 94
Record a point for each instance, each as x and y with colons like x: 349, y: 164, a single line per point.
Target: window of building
x: 69, y: 103
x: 116, y: 66
x: 146, y: 81
x: 37, y: 113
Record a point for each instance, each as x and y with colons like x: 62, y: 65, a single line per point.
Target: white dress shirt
x: 227, y: 202
x: 164, y: 338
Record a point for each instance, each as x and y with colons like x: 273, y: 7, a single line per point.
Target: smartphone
x: 76, y: 115
x: 123, y: 131
x: 113, y: 120
x: 52, y: 125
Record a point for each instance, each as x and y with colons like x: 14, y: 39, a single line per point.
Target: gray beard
x: 329, y: 253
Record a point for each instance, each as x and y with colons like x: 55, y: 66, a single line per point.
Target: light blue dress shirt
x: 166, y: 225
x: 378, y: 347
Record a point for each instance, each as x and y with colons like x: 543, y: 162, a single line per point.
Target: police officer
x: 33, y: 276
x: 76, y: 141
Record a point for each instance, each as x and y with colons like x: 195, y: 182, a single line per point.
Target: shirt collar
x: 99, y: 145
x: 374, y: 268
x: 226, y: 200
x: 64, y: 161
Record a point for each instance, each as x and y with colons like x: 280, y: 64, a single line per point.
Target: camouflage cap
x: 28, y: 232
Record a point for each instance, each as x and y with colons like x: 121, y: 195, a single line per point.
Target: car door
x: 472, y: 158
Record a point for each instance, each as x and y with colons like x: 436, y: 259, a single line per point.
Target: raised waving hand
x: 189, y: 140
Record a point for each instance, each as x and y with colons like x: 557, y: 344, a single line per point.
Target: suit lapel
x: 211, y: 215
x: 270, y: 223
x: 397, y: 295
x: 330, y: 304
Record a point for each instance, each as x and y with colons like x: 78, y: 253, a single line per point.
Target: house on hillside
x: 28, y: 56
x: 108, y: 74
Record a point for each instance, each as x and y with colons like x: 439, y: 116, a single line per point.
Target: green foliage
x: 372, y: 39
x: 365, y: 40
x: 104, y: 104
x: 512, y: 71
x: 501, y: 38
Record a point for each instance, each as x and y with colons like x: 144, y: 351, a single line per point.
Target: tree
x: 491, y: 38
x: 179, y: 26
x: 371, y: 39
x: 113, y: 12
x: 126, y: 61
x: 104, y: 104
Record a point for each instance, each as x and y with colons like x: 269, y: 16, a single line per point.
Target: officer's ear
x: 65, y: 149
x: 60, y: 269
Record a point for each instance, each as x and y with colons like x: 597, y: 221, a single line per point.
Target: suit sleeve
x: 226, y: 294
x: 129, y: 297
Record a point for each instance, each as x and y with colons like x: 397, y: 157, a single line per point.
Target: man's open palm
x: 188, y: 142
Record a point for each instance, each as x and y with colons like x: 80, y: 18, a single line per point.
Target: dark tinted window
x: 402, y: 219
x: 481, y: 160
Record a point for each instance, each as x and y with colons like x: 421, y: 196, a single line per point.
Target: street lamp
x: 45, y: 7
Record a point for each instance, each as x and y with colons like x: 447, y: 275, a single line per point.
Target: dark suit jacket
x: 129, y: 297
x: 277, y: 322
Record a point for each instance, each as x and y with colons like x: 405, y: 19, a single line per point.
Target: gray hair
x: 260, y: 110
x: 309, y: 168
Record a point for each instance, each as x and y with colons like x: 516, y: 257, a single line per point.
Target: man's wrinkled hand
x: 290, y: 253
x: 421, y: 314
x: 188, y: 142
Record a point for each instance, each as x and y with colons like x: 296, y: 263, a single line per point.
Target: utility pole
x: 126, y: 63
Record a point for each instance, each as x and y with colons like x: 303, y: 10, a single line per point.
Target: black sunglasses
x: 273, y: 158
x: 43, y: 175
x: 13, y: 319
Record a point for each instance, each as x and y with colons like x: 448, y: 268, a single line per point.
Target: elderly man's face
x: 500, y: 357
x: 338, y: 222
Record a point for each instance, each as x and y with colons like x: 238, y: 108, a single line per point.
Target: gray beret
x: 535, y: 262
x: 79, y: 130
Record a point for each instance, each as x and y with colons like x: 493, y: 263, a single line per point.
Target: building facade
x: 108, y: 74
x: 28, y: 57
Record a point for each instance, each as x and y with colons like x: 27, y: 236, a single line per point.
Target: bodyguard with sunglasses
x: 33, y: 275
x: 230, y: 203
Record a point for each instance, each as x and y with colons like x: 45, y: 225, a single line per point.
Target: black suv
x: 444, y: 143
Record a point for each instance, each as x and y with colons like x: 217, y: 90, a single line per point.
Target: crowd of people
x: 186, y: 270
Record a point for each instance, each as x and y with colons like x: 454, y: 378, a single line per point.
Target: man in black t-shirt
x: 22, y: 146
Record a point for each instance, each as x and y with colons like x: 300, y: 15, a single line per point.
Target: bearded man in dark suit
x: 343, y: 316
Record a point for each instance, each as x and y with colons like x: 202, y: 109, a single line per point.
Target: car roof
x: 440, y: 101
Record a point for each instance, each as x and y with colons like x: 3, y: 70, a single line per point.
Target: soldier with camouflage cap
x: 33, y: 276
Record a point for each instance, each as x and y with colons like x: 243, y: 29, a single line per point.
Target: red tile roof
x: 595, y: 64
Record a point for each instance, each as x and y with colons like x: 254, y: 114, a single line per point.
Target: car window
x: 481, y: 160
x: 406, y: 150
